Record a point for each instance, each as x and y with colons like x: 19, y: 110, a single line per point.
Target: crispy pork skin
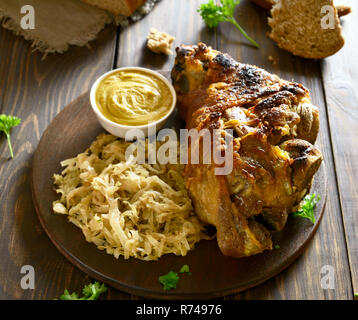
x: 273, y: 126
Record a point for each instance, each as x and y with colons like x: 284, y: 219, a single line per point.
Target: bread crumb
x: 160, y: 42
x: 343, y: 10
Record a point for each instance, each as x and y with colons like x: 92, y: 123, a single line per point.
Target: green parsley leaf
x: 185, y: 268
x: 67, y: 296
x: 91, y: 291
x: 212, y: 14
x: 277, y: 246
x: 169, y: 281
x: 6, y: 124
x: 307, y: 207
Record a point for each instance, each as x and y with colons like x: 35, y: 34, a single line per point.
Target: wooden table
x: 37, y: 90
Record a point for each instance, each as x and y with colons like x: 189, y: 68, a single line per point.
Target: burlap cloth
x: 61, y: 23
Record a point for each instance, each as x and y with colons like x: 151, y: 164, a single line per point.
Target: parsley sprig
x: 90, y: 292
x: 169, y: 280
x: 212, y: 14
x: 6, y: 124
x: 185, y: 269
x: 307, y: 208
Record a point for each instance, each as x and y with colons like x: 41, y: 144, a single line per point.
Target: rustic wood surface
x: 37, y: 90
x: 340, y: 79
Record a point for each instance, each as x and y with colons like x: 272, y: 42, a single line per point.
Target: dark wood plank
x: 7, y: 57
x: 302, y: 279
x: 340, y: 78
x: 178, y: 18
x: 36, y: 91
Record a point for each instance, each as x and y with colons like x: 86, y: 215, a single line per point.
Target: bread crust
x: 117, y: 7
x: 342, y: 10
x: 265, y: 4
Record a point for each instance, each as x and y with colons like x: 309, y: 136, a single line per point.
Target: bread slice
x: 296, y: 27
x: 117, y: 7
x: 342, y: 10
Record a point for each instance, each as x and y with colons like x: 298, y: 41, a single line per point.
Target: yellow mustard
x: 133, y: 97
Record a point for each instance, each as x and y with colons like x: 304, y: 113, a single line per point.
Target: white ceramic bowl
x: 120, y: 130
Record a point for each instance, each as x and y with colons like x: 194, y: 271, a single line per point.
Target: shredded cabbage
x: 125, y: 208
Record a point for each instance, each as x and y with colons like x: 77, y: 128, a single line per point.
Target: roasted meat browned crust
x: 274, y: 127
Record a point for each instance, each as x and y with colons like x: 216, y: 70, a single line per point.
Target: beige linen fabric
x: 58, y: 23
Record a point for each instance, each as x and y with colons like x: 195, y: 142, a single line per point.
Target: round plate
x: 213, y: 274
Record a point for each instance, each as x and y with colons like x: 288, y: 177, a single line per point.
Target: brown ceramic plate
x: 213, y: 275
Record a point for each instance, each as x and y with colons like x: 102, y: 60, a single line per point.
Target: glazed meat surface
x: 273, y: 126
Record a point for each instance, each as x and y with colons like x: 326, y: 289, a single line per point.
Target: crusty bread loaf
x: 267, y: 4
x: 117, y: 7
x: 296, y: 27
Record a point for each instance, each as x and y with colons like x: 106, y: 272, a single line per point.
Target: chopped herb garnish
x: 185, y: 268
x: 90, y: 292
x: 169, y: 281
x: 6, y: 124
x: 307, y: 208
x: 212, y: 14
x: 277, y: 246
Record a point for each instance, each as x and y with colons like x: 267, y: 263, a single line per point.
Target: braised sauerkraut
x: 125, y: 208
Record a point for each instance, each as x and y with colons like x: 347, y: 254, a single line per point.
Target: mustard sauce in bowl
x: 133, y: 97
